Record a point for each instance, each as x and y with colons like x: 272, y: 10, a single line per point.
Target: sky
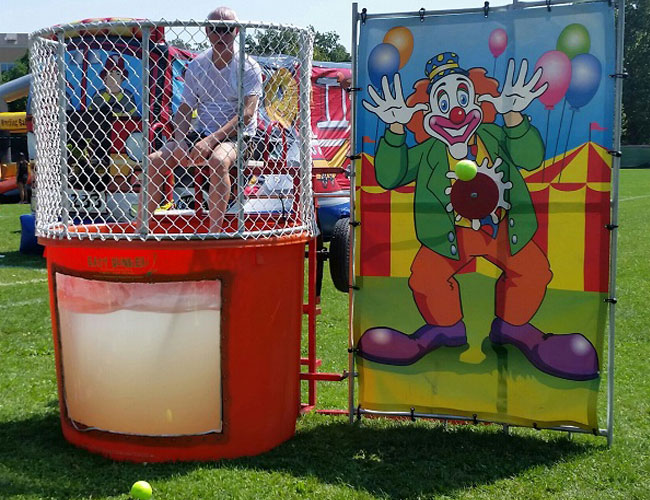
x: 324, y: 15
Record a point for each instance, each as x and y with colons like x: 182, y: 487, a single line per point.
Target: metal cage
x: 106, y: 97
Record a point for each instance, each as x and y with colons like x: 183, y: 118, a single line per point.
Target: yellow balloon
x: 401, y: 38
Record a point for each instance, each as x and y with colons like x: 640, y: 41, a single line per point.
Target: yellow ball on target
x: 466, y: 170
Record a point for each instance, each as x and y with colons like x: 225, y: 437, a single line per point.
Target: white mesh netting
x: 172, y: 130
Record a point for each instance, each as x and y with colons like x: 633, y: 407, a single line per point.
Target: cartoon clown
x: 458, y: 220
x: 113, y: 97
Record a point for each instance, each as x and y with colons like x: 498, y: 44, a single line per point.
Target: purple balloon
x: 586, y: 73
x: 383, y: 61
x: 498, y: 41
x: 556, y: 68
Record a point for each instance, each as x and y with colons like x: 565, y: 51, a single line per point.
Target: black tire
x: 340, y: 255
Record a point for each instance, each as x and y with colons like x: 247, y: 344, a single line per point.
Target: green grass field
x: 329, y: 458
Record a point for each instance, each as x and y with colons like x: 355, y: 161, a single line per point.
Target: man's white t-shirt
x: 213, y: 92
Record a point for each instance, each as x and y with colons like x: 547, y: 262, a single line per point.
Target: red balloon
x: 498, y: 41
x: 556, y: 68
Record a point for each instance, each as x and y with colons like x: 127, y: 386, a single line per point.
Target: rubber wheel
x: 340, y: 255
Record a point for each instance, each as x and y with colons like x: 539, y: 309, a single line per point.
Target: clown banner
x: 482, y: 191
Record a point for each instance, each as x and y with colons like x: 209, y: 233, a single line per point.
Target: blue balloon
x: 383, y: 61
x: 586, y: 72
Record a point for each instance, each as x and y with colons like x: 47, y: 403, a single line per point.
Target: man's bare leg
x: 160, y: 164
x: 223, y: 157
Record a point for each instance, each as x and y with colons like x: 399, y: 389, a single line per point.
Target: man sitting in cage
x: 212, y: 89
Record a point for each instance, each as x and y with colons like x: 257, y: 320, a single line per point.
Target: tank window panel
x: 141, y: 358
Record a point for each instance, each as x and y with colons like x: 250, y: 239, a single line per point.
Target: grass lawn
x: 328, y: 458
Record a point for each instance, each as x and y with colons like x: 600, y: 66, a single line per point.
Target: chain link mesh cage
x: 170, y: 130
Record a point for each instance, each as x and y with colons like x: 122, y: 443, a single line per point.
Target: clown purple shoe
x: 569, y: 356
x: 388, y: 346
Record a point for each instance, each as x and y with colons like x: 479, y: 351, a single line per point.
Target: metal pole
x: 353, y: 215
x: 496, y: 8
x: 307, y: 199
x: 240, y: 133
x: 144, y: 183
x: 63, y: 134
x: 616, y: 161
x: 475, y: 420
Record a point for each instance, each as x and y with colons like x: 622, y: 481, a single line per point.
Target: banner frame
x: 616, y: 163
x: 361, y: 17
x: 354, y: 154
x: 516, y: 4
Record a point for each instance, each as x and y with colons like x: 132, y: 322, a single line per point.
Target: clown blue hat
x: 442, y: 65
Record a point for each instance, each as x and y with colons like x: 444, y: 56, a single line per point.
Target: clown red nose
x: 457, y: 115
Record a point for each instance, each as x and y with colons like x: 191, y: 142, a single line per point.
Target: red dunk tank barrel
x: 176, y: 283
x: 177, y: 350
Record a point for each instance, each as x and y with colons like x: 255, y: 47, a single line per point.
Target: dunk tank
x: 177, y: 334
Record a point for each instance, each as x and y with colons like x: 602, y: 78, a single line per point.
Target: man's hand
x: 391, y: 109
x: 516, y: 95
x: 178, y: 150
x: 202, y: 151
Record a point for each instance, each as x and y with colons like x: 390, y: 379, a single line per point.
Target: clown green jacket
x: 519, y: 147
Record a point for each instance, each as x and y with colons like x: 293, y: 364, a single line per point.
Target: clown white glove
x: 391, y: 108
x: 516, y: 95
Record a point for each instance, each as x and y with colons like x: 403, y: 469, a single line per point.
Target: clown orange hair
x: 482, y: 85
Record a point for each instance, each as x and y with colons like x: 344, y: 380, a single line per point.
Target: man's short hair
x: 223, y: 13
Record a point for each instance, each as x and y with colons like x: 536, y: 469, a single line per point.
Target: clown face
x: 454, y: 113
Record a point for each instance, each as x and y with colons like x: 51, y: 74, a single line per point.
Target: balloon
x: 402, y: 39
x: 574, y: 40
x: 498, y: 41
x: 586, y: 72
x: 556, y: 68
x: 383, y: 61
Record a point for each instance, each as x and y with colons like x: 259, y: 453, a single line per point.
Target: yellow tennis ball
x: 141, y: 490
x: 466, y: 170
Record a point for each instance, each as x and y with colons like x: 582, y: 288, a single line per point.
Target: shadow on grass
x: 17, y: 259
x: 404, y: 460
x: 383, y: 458
x: 37, y: 461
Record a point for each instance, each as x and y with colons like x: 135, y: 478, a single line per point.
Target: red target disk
x: 475, y: 199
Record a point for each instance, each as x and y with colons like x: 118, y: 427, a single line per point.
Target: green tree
x: 328, y: 48
x: 191, y: 45
x: 269, y: 42
x: 20, y: 69
x: 636, y: 88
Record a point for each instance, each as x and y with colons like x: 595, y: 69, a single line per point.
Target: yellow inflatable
x: 281, y: 97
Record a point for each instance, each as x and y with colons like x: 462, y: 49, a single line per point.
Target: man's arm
x: 230, y: 128
x: 182, y: 122
x: 204, y: 147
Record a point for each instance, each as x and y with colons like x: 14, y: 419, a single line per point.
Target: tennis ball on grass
x: 466, y: 170
x: 141, y: 490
